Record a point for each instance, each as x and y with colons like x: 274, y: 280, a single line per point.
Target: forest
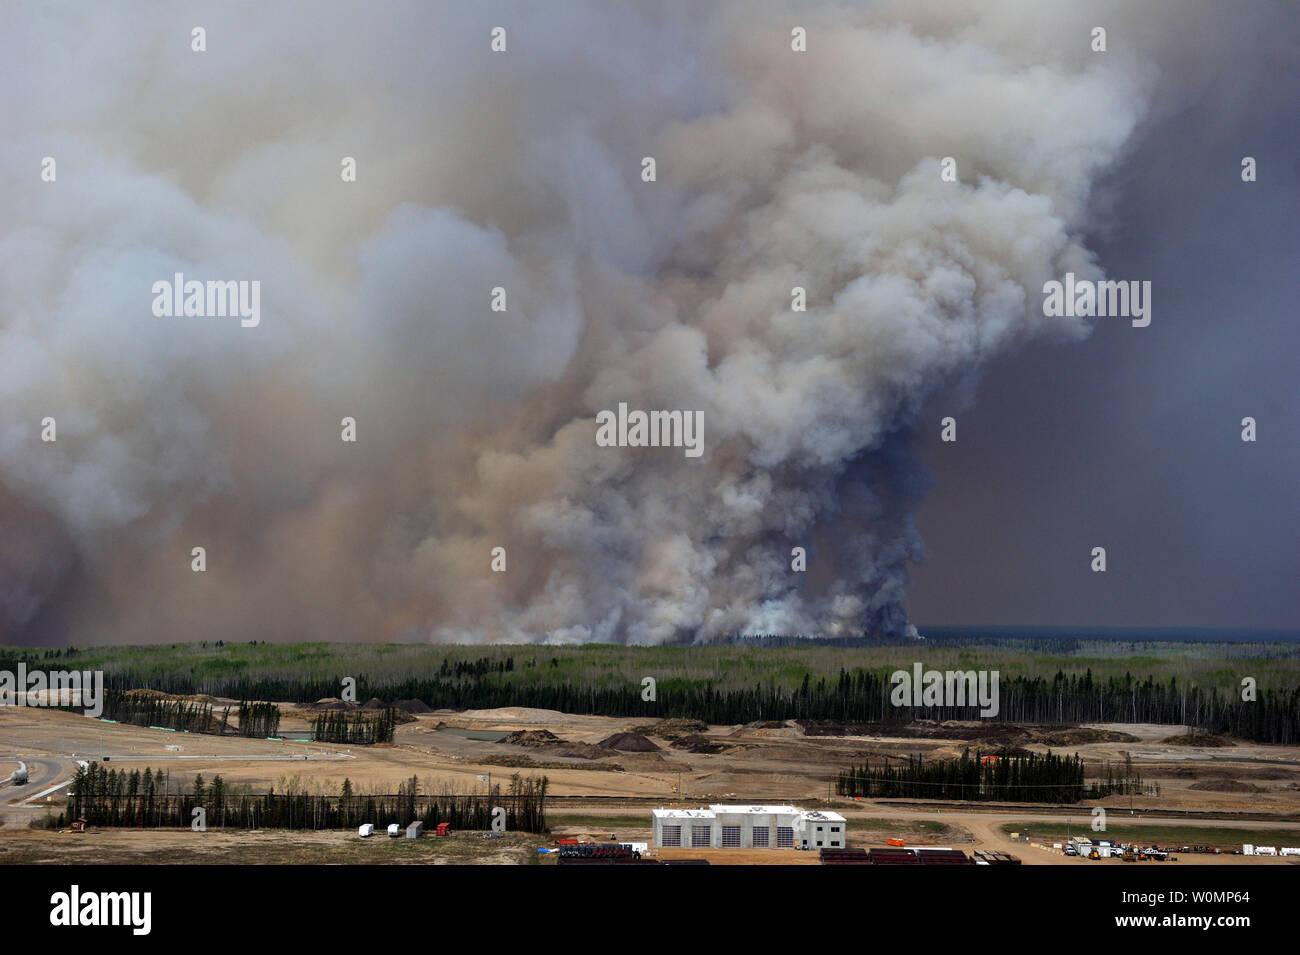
x: 358, y: 730
x: 1075, y: 681
x: 1033, y: 777
x: 251, y: 719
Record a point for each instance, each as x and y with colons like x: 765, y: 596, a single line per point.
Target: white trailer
x: 394, y: 830
x: 366, y: 831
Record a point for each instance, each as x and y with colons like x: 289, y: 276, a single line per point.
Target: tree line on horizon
x: 860, y: 695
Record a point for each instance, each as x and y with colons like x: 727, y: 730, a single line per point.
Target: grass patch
x: 1221, y: 836
x: 606, y: 823
x: 899, y: 825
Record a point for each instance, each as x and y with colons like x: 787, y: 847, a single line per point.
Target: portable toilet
x: 394, y: 830
x: 367, y: 830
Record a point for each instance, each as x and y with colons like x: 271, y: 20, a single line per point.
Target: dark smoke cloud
x: 476, y: 428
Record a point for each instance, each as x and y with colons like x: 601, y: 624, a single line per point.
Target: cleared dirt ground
x: 752, y: 764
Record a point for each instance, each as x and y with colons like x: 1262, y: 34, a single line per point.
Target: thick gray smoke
x: 476, y: 428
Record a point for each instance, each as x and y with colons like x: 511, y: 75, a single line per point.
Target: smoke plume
x: 475, y: 428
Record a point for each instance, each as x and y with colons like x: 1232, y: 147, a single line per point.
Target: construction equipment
x: 594, y: 850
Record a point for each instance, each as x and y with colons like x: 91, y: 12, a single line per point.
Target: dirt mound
x: 580, y: 751
x: 532, y: 738
x: 1197, y: 739
x: 527, y: 762
x: 374, y: 703
x: 1077, y: 736
x: 698, y: 744
x: 412, y: 706
x: 552, y: 745
x: 1005, y: 735
x: 1224, y: 784
x: 328, y: 704
x: 517, y: 714
x: 672, y: 728
x: 629, y: 743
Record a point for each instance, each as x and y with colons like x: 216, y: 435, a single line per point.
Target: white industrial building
x: 749, y: 827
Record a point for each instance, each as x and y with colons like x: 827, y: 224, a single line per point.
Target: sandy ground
x: 218, y: 847
x: 754, y: 765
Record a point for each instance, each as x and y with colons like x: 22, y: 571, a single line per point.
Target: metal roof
x: 817, y: 815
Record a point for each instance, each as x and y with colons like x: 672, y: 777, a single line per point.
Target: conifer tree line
x: 118, y: 798
x: 1114, y: 783
x: 258, y: 719
x: 145, y: 709
x: 342, y: 727
x: 859, y: 695
x: 1036, y: 777
x: 252, y: 719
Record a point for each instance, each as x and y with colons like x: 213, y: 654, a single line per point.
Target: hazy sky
x: 667, y: 289
x: 1131, y: 440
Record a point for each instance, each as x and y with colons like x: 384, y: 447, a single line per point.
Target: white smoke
x: 476, y: 428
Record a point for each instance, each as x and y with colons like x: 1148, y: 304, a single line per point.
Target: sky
x: 1131, y: 440
x: 612, y: 208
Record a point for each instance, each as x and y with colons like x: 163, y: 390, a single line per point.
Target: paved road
x: 42, y: 773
